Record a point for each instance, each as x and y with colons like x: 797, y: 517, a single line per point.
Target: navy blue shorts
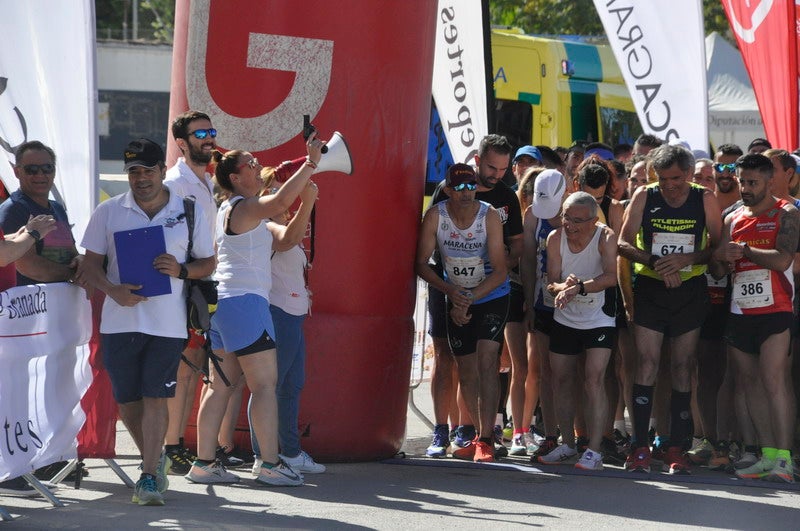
x: 141, y: 365
x: 437, y: 313
x: 488, y: 322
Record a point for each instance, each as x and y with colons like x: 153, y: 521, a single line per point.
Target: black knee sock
x: 642, y: 406
x: 505, y: 383
x: 680, y: 417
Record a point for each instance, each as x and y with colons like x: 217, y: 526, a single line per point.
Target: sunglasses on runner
x: 722, y: 168
x: 33, y: 169
x: 200, y: 134
x: 471, y: 187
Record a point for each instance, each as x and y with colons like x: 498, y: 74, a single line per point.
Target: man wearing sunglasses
x: 53, y: 258
x: 727, y: 192
x: 195, y: 137
x: 468, y: 235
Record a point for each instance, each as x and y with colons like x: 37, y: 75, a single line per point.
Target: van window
x: 618, y: 126
x: 514, y: 120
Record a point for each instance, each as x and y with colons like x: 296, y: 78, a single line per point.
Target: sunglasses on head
x: 465, y: 186
x: 33, y: 169
x: 721, y: 168
x: 200, y: 134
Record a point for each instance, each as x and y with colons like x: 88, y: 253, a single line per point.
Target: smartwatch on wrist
x: 581, y: 288
x: 34, y: 234
x: 184, y: 272
x: 652, y: 262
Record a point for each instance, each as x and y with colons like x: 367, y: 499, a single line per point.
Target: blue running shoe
x: 464, y: 436
x: 441, y: 440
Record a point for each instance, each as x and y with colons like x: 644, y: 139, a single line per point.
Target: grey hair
x: 581, y: 199
x: 665, y: 156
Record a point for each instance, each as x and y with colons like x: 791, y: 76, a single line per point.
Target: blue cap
x: 600, y: 152
x: 530, y: 151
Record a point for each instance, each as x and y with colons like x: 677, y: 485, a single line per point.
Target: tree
x: 114, y: 19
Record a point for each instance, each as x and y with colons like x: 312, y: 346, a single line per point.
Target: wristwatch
x: 184, y: 272
x: 582, y: 290
x: 34, y: 234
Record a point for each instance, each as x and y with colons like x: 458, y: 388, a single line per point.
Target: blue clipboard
x: 136, y: 250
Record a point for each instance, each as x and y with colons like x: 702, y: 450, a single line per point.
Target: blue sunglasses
x: 200, y: 134
x: 465, y: 186
x: 721, y: 168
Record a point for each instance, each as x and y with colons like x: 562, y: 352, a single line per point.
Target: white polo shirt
x: 183, y: 181
x: 163, y: 315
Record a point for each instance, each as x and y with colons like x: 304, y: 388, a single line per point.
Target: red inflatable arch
x: 362, y: 68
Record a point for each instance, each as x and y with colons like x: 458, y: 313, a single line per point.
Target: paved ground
x: 419, y: 493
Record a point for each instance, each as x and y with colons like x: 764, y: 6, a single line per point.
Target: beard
x: 198, y: 156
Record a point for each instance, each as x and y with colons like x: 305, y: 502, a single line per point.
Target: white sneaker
x: 280, y: 475
x: 532, y: 442
x: 518, y: 446
x: 257, y: 466
x: 561, y: 453
x: 303, y: 463
x: 590, y: 460
x: 746, y: 460
x: 212, y: 473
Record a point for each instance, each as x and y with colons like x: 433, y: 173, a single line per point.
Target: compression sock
x: 642, y: 406
x: 680, y: 417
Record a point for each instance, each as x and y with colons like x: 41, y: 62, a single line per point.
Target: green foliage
x: 114, y: 19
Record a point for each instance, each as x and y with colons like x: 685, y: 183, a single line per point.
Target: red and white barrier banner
x: 660, y: 48
x: 43, y: 332
x: 766, y: 33
x: 459, y: 76
x: 48, y: 92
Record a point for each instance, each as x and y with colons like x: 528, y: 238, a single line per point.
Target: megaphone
x: 337, y: 158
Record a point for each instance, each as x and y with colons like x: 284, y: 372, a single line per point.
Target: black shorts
x: 573, y: 341
x: 671, y: 311
x: 437, y: 313
x: 140, y: 365
x: 543, y: 321
x: 516, y: 304
x: 748, y: 332
x: 488, y: 322
x: 714, y: 326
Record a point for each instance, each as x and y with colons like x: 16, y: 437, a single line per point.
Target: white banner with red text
x: 459, y: 76
x: 44, y: 330
x: 660, y: 48
x: 48, y: 92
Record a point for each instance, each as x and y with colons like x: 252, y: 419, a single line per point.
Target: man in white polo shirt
x: 142, y: 337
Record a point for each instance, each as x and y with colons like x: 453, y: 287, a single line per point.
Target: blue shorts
x: 140, y: 365
x: 240, y: 321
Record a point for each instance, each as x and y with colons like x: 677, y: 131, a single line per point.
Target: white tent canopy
x: 733, y: 115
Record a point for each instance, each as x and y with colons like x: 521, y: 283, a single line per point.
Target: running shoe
x: 658, y: 455
x: 257, y: 466
x: 211, y: 473
x: 547, y: 446
x: 531, y: 441
x: 518, y: 446
x: 561, y: 453
x: 508, y: 432
x: 162, y: 483
x: 782, y: 471
x: 720, y: 459
x: 639, y: 460
x: 675, y: 461
x: 484, y: 453
x: 759, y: 470
x: 226, y: 456
x: 464, y: 436
x: 303, y: 463
x: 746, y: 459
x: 611, y: 453
x: 181, y: 460
x: 280, y: 475
x: 440, y: 442
x: 146, y: 492
x: 590, y: 460
x: 466, y: 453
x: 500, y: 449
x: 701, y: 451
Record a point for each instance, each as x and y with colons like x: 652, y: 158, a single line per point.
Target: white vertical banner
x: 459, y: 76
x: 48, y: 92
x: 660, y: 48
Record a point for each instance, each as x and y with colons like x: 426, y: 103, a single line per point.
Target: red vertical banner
x: 364, y: 69
x: 766, y: 31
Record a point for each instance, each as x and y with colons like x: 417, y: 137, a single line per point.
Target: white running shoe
x: 561, y: 453
x: 532, y: 442
x: 280, y: 475
x: 518, y: 446
x: 211, y: 473
x: 303, y: 463
x: 257, y: 466
x: 590, y: 460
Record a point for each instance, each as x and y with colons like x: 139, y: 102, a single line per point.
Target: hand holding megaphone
x: 336, y: 156
x: 308, y: 129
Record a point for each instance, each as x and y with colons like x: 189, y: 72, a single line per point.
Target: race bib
x: 665, y: 243
x: 588, y: 301
x: 466, y: 272
x: 753, y: 289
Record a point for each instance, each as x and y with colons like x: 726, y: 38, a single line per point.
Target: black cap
x: 143, y: 152
x: 460, y: 173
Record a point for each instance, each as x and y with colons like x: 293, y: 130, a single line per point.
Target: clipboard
x: 136, y: 250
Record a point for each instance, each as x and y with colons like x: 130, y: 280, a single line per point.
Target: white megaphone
x: 337, y: 158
